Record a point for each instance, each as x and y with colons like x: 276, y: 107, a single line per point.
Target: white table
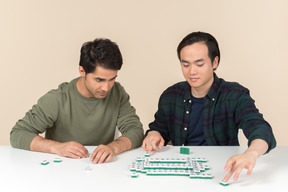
x: 21, y: 170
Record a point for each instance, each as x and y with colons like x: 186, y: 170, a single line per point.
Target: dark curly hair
x: 100, y: 52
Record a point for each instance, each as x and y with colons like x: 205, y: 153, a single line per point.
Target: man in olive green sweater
x: 85, y: 111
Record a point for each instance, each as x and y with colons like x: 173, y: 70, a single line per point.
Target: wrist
x: 120, y: 145
x: 253, y: 153
x: 53, y: 148
x: 154, y: 133
x: 257, y: 147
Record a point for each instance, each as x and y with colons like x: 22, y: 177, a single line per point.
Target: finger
x: 227, y: 177
x: 86, y: 152
x: 97, y: 156
x: 93, y: 156
x: 81, y: 148
x: 250, y: 168
x: 106, y: 155
x: 149, y: 150
x: 110, y: 156
x: 154, y: 146
x: 144, y: 145
x: 77, y: 153
x: 78, y: 149
x: 237, y: 172
x: 80, y: 152
x: 103, y: 157
x: 228, y: 165
x: 72, y: 155
x: 161, y: 144
x: 230, y: 173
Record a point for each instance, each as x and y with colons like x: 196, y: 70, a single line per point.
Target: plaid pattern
x: 227, y: 107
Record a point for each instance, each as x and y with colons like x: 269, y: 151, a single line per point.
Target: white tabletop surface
x: 21, y: 170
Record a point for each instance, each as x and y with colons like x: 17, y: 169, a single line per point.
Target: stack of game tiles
x: 193, y: 167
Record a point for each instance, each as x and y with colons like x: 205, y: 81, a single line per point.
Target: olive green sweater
x: 65, y: 115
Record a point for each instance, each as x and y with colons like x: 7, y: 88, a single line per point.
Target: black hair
x: 100, y: 52
x: 206, y: 38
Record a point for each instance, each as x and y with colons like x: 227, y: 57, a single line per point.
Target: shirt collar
x: 213, y: 90
x: 187, y: 95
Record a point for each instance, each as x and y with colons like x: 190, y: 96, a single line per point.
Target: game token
x: 88, y: 168
x: 134, y: 175
x: 224, y: 183
x: 44, y: 162
x: 184, y: 150
x: 57, y: 160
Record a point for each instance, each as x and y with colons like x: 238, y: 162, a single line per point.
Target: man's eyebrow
x: 101, y: 79
x: 184, y: 61
x: 113, y: 78
x: 198, y: 60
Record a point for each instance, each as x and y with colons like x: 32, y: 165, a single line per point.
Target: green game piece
x: 184, y: 150
x: 224, y: 183
x: 134, y: 175
x: 147, y: 155
x: 209, y: 176
x: 45, y: 162
x: 57, y: 160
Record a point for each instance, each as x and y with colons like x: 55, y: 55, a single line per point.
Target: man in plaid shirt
x: 207, y: 110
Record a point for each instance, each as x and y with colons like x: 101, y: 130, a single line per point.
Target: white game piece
x: 44, y: 162
x: 224, y: 183
x: 88, y: 168
x: 147, y: 155
x: 57, y: 160
x: 134, y: 175
x: 133, y: 168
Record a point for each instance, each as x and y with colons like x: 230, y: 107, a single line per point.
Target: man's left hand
x: 237, y: 163
x: 246, y: 160
x: 102, y: 154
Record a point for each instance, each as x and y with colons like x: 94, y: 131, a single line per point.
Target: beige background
x: 40, y: 44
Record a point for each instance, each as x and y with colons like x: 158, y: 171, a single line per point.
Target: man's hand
x: 246, y: 160
x: 152, y: 140
x: 102, y: 154
x: 236, y: 164
x: 70, y: 149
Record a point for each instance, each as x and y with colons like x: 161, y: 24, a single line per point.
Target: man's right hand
x: 152, y: 140
x: 70, y: 149
x: 67, y: 149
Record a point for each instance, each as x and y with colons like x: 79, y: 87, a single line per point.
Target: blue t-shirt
x: 196, y: 135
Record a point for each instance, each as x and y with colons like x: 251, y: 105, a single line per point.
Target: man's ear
x: 82, y: 71
x: 215, y: 63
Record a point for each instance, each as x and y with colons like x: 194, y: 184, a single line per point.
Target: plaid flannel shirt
x: 228, y: 107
